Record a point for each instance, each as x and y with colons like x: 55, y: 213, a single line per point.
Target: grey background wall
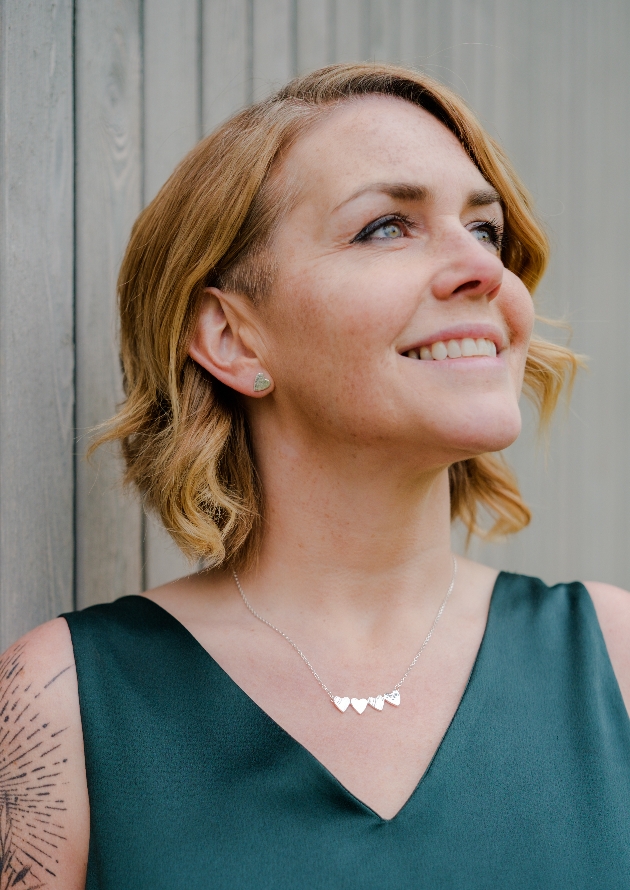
x: 100, y: 99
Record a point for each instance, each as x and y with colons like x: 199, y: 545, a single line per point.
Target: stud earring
x: 261, y: 383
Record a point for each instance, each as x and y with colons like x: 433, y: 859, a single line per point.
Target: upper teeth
x: 454, y: 349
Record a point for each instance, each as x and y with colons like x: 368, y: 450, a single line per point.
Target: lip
x: 459, y: 332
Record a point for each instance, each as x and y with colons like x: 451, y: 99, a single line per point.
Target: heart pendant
x: 393, y: 697
x: 377, y: 702
x: 359, y: 704
x: 341, y: 703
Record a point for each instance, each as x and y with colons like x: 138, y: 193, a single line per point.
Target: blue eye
x: 389, y: 230
x: 490, y: 233
x: 384, y: 229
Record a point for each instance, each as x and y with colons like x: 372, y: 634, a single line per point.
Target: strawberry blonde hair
x: 184, y: 435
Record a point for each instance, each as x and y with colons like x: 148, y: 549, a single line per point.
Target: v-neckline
x: 330, y: 776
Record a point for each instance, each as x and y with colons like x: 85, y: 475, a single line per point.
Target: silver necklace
x: 342, y: 702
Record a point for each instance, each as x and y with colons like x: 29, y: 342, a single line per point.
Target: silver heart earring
x: 261, y: 383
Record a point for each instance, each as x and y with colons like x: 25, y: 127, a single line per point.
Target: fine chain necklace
x: 342, y: 702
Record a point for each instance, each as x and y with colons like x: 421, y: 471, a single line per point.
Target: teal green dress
x: 193, y: 787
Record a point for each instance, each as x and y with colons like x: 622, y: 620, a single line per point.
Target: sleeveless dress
x: 193, y: 787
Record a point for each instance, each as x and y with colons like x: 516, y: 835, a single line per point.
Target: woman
x: 326, y: 326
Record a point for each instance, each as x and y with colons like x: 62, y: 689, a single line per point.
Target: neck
x: 350, y: 536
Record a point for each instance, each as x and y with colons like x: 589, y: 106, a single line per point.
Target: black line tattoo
x: 32, y: 767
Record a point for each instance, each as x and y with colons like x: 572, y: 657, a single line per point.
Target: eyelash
x: 372, y: 227
x: 495, y: 229
x: 493, y: 226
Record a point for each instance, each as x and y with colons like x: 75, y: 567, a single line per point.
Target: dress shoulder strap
x: 544, y: 646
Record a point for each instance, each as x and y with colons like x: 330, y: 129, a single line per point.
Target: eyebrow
x: 483, y: 197
x: 400, y: 191
x: 403, y: 191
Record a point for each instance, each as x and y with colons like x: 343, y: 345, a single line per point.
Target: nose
x: 465, y: 267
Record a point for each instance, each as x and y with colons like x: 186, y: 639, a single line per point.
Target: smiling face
x: 390, y: 299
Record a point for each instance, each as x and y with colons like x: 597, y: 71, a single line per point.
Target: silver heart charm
x: 377, y: 702
x: 393, y: 697
x: 341, y: 703
x: 359, y: 704
x: 261, y: 383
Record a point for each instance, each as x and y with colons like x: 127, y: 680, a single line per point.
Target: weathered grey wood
x: 36, y: 323
x: 382, y: 30
x: 273, y: 45
x: 410, y: 46
x: 108, y: 198
x: 315, y: 23
x: 172, y: 125
x: 226, y: 59
x: 348, y: 43
x: 172, y: 87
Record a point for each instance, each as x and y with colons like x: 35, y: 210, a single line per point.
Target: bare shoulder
x: 197, y: 599
x: 44, y: 810
x: 612, y: 605
x: 477, y: 580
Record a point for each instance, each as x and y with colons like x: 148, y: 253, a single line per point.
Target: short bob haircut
x: 184, y: 435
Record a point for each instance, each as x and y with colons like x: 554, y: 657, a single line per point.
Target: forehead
x: 377, y: 138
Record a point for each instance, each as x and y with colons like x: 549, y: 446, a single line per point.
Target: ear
x: 227, y: 344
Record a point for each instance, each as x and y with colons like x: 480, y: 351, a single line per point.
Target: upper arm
x: 612, y: 605
x: 44, y: 810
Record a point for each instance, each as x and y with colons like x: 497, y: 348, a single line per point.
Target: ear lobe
x: 221, y: 339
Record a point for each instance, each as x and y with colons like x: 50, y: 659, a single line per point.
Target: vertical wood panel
x: 349, y: 20
x: 383, y: 24
x: 410, y: 48
x: 226, y: 61
x: 313, y: 34
x: 36, y: 315
x: 171, y: 44
x: 426, y: 37
x: 273, y: 45
x: 108, y: 171
x: 604, y: 251
x: 171, y: 127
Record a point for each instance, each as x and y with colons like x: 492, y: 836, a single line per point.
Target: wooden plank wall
x: 108, y: 125
x: 172, y: 125
x: 92, y: 126
x: 36, y: 314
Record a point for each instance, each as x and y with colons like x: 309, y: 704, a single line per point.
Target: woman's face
x: 391, y: 252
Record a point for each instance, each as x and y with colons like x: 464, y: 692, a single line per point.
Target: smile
x: 464, y: 348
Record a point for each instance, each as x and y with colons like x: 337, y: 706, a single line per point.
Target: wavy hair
x: 184, y: 435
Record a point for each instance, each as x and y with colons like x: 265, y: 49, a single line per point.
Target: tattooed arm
x: 44, y: 810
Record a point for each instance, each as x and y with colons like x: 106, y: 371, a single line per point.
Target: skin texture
x: 353, y: 440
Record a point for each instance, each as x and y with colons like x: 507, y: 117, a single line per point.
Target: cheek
x: 330, y: 339
x: 518, y: 310
x: 320, y: 316
x: 518, y: 307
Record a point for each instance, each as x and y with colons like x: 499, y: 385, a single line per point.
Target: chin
x: 485, y: 432
x: 493, y: 440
